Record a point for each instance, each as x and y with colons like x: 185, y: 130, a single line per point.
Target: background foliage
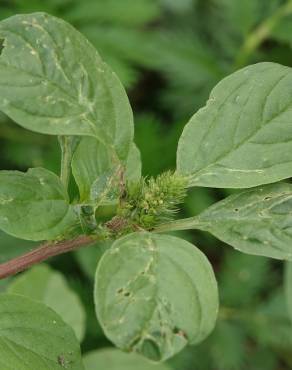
x: 169, y: 54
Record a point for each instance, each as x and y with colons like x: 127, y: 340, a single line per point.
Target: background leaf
x: 88, y: 258
x: 243, y: 279
x: 113, y: 359
x: 33, y: 336
x: 11, y: 247
x: 50, y: 287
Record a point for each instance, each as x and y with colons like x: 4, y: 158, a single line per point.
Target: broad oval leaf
x: 50, y: 287
x: 155, y: 294
x: 92, y: 159
x: 114, y: 359
x: 53, y: 81
x: 288, y: 287
x: 34, y: 205
x: 34, y: 337
x: 256, y: 221
x: 243, y: 136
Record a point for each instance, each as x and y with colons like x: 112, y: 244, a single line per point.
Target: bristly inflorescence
x: 152, y: 201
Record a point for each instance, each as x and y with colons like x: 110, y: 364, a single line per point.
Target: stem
x: 41, y: 254
x: 184, y: 224
x: 261, y: 33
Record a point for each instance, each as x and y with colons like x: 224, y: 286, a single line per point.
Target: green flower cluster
x: 152, y: 201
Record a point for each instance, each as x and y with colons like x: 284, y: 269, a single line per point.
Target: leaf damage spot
x: 124, y: 292
x: 180, y: 333
x: 62, y: 361
x: 6, y: 200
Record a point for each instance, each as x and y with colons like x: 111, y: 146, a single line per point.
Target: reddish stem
x: 41, y: 254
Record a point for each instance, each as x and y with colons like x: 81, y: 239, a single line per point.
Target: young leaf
x: 154, y: 294
x: 34, y: 205
x: 53, y: 81
x: 50, y: 287
x: 133, y: 171
x: 92, y: 159
x: 34, y: 337
x: 288, y: 287
x: 256, y: 221
x: 243, y: 136
x: 113, y: 359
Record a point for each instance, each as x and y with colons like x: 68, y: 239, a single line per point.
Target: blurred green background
x: 169, y: 54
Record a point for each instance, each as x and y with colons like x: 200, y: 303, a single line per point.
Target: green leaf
x: 88, y: 258
x: 123, y: 48
x: 243, y: 279
x: 133, y: 165
x: 256, y: 221
x: 227, y: 346
x: 53, y: 81
x: 282, y: 30
x: 127, y: 12
x: 154, y: 294
x: 181, y: 6
x: 92, y: 159
x: 239, y: 17
x: 34, y: 205
x: 269, y: 325
x: 106, y: 188
x: 243, y: 136
x: 50, y: 287
x: 34, y: 337
x: 113, y: 359
x: 148, y: 133
x: 11, y: 247
x: 288, y: 287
